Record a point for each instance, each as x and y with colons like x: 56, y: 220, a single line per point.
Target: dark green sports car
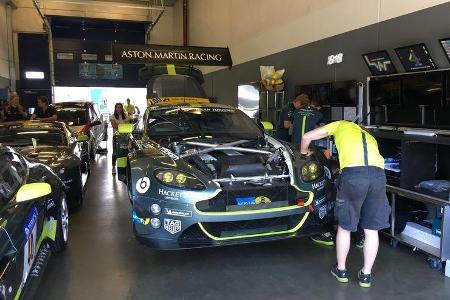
x: 33, y: 222
x: 55, y: 146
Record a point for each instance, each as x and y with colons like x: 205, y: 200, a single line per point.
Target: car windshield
x: 19, y: 137
x: 175, y: 86
x: 72, y: 116
x: 204, y: 121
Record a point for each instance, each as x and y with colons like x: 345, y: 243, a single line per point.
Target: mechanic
x: 305, y: 119
x: 118, y: 117
x: 285, y: 118
x: 13, y: 111
x: 44, y: 111
x: 361, y: 193
x: 130, y: 109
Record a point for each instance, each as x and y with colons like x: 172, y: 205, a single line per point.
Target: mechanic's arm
x: 313, y: 135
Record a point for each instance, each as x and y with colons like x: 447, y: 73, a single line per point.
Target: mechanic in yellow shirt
x: 130, y: 109
x: 361, y: 193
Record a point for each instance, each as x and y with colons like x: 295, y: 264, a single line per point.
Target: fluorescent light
x: 32, y: 132
x: 34, y: 75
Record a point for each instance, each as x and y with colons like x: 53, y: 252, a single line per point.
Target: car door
x: 96, y: 130
x: 24, y: 221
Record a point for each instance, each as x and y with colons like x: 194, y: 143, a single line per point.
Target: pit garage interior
x: 194, y: 212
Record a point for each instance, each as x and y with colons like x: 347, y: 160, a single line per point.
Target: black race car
x: 202, y: 174
x: 52, y: 144
x: 83, y: 117
x: 33, y: 222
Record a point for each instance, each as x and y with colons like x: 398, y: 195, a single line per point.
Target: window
x: 12, y: 175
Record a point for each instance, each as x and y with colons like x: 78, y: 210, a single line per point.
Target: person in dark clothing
x: 44, y: 111
x: 13, y: 110
x: 305, y: 119
x: 285, y: 119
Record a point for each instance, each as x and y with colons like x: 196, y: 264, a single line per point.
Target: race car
x: 54, y: 145
x: 206, y: 175
x: 33, y: 222
x: 83, y: 118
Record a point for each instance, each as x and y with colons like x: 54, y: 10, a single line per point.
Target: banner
x: 153, y: 54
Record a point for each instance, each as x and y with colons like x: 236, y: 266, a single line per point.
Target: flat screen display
x: 344, y: 93
x: 379, y: 63
x: 100, y: 71
x: 415, y: 58
x: 384, y: 91
x: 422, y: 89
x: 445, y: 43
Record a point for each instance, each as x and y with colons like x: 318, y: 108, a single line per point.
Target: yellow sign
x: 262, y: 199
x: 175, y: 100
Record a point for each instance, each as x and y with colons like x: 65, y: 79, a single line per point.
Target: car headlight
x: 311, y: 171
x: 177, y: 179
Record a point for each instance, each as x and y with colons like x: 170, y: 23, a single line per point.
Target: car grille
x: 251, y: 227
x: 280, y: 195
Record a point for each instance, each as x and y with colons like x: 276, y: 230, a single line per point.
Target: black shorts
x: 361, y: 199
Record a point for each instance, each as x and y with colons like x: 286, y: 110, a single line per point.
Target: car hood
x: 51, y: 156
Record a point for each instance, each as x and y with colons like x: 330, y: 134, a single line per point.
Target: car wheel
x: 92, y: 151
x: 62, y: 227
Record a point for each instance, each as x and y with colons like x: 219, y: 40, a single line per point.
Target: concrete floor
x: 104, y: 261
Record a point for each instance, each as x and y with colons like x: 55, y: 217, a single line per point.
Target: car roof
x: 193, y: 105
x: 33, y: 124
x: 75, y: 104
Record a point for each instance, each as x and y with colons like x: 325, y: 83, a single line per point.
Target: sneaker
x: 341, y: 275
x: 360, y: 242
x: 114, y: 171
x: 364, y: 280
x: 325, y: 239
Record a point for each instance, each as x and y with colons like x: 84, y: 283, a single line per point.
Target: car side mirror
x: 32, y: 191
x: 95, y: 123
x: 125, y: 128
x: 82, y: 138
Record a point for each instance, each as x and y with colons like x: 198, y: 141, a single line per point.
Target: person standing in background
x: 305, y: 119
x: 129, y: 108
x: 13, y: 111
x: 285, y: 119
x: 118, y: 117
x: 44, y: 112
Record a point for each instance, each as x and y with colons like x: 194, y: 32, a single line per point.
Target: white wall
x: 4, y: 61
x: 257, y: 28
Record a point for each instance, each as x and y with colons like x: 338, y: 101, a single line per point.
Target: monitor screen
x: 344, y: 93
x: 422, y: 89
x: 379, y: 63
x: 384, y: 91
x: 445, y: 43
x: 415, y: 58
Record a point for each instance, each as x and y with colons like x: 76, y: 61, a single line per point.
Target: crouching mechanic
x: 361, y: 193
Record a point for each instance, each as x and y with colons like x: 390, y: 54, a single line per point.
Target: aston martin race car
x: 55, y: 146
x: 203, y: 174
x: 33, y: 222
x: 83, y: 117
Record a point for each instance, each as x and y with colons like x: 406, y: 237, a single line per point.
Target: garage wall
x: 4, y: 60
x: 307, y: 63
x: 255, y: 28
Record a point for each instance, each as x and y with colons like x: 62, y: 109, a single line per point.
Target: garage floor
x: 104, y: 261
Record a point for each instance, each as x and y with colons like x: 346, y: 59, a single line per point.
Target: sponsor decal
x: 168, y: 153
x: 39, y: 263
x: 322, y: 211
x: 327, y: 172
x: 175, y: 100
x: 30, y: 222
x: 178, y: 212
x: 262, y: 199
x: 142, y: 185
x: 319, y: 201
x: 142, y: 54
x: 68, y: 181
x: 318, y: 185
x: 172, y: 226
x: 137, y: 220
x: 173, y: 195
x: 50, y: 204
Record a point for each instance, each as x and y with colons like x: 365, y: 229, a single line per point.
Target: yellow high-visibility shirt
x: 355, y: 146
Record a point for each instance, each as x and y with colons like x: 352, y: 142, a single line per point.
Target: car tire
x: 62, y: 227
x: 92, y: 151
